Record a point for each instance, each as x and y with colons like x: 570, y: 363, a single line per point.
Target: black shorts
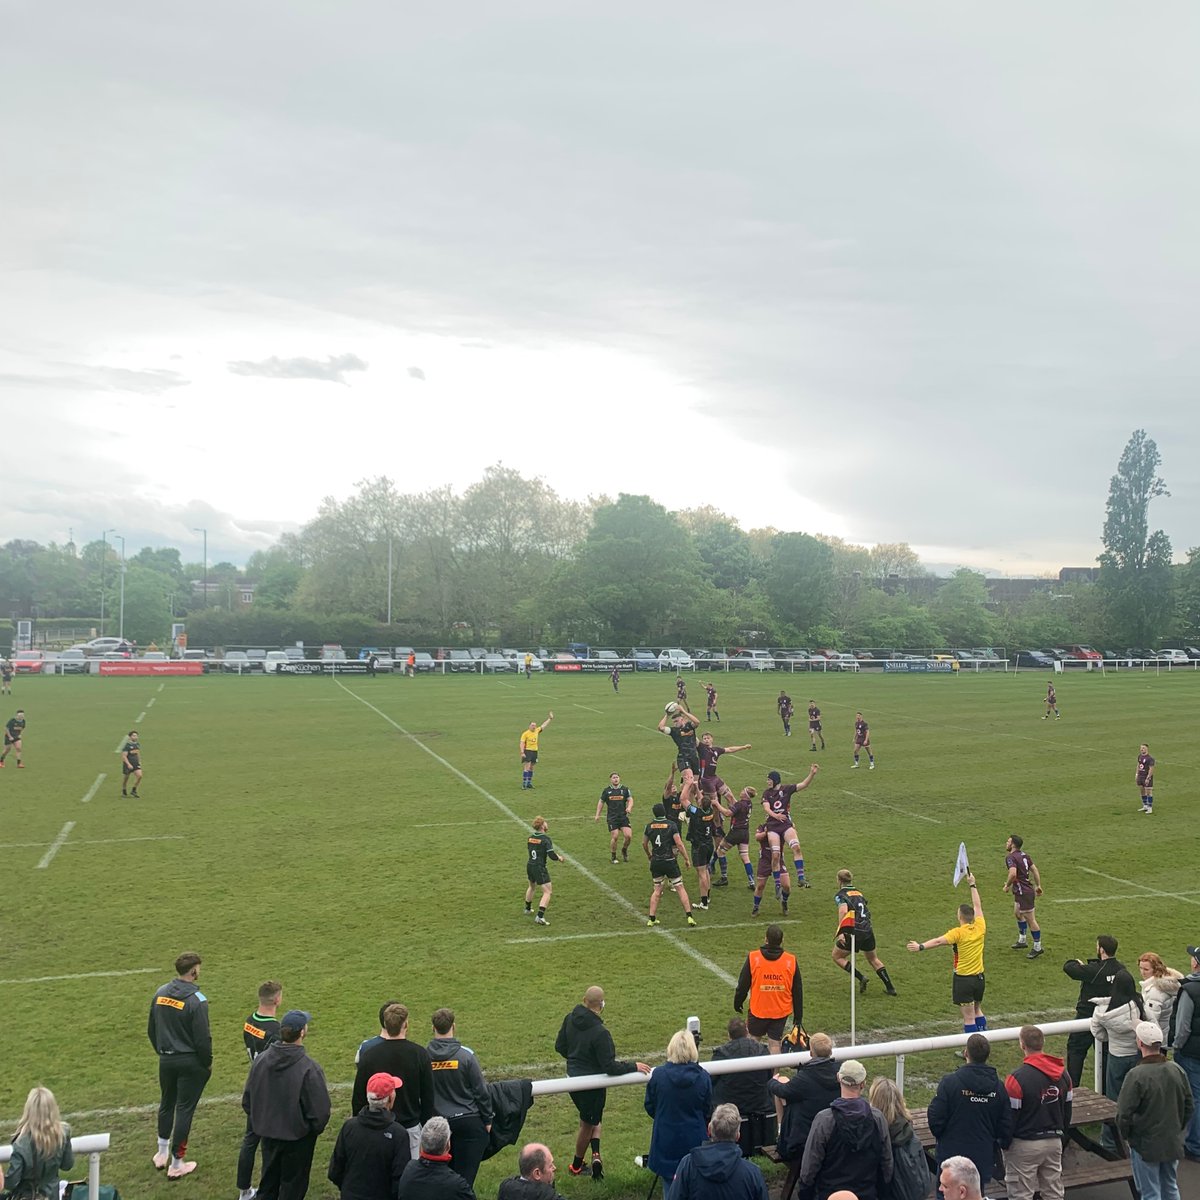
x: 688, y: 762
x: 968, y: 989
x: 590, y: 1105
x: 129, y: 770
x: 864, y: 940
x: 702, y: 852
x: 771, y: 1027
x: 11, y: 741
x: 662, y: 868
x: 738, y: 835
x: 537, y: 873
x: 618, y: 822
x: 814, y: 726
x: 529, y: 756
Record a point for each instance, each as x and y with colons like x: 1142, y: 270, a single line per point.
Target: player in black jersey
x: 680, y: 726
x: 619, y: 800
x: 260, y: 1029
x: 131, y: 763
x: 854, y: 917
x: 661, y: 842
x: 540, y: 848
x: 702, y: 832
x: 14, y: 730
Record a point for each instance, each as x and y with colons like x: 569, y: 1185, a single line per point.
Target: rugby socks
x: 749, y: 871
x: 870, y: 758
x: 969, y: 1028
x: 856, y: 760
x: 800, y: 871
x: 1037, y: 937
x: 595, y: 1145
x: 757, y: 902
x: 886, y: 980
x: 857, y: 973
x: 1148, y: 801
x: 1022, y: 928
x: 526, y: 779
x: 164, y: 1146
x: 980, y: 1023
x: 541, y: 910
x: 529, y: 906
x: 723, y: 863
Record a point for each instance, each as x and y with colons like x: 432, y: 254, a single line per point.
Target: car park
x: 676, y: 660
x: 644, y: 660
x: 272, y: 661
x: 752, y: 660
x: 1193, y: 652
x: 606, y: 656
x: 842, y: 662
x: 496, y: 663
x: 257, y: 658
x: 71, y: 662
x: 236, y: 662
x: 105, y: 645
x: 1173, y: 656
x: 155, y: 656
x: 423, y: 661
x: 201, y: 656
x: 1086, y: 653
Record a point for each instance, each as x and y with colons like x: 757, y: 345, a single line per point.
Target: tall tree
x: 1135, y: 567
x: 800, y: 580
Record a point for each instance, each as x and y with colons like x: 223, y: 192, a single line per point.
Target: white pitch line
x: 162, y: 685
x: 95, y: 787
x: 55, y: 846
x: 1106, y: 899
x: 497, y: 821
x: 582, y: 937
x: 593, y: 878
x: 597, y: 711
x: 156, y: 837
x: 150, y: 702
x: 85, y: 975
x: 141, y: 717
x: 1184, y: 896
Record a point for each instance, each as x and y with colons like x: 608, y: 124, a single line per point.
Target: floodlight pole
x: 197, y: 529
x: 121, y: 621
x: 103, y: 556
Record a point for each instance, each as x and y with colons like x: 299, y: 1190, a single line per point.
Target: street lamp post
x: 103, y: 556
x: 197, y: 529
x: 389, y: 603
x: 121, y: 620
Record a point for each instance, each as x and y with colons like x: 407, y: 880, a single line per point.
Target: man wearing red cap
x: 372, y: 1150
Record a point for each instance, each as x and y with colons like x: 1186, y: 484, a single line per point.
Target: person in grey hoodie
x: 287, y: 1101
x: 849, y: 1146
x: 460, y: 1095
x: 716, y: 1170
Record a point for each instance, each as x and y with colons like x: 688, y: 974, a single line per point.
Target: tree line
x: 509, y: 562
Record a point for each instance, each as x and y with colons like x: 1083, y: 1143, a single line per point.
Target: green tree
x: 800, y: 581
x: 960, y: 609
x: 1135, y: 567
x: 147, y: 608
x: 723, y: 546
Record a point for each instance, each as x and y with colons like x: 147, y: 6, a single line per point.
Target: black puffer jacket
x: 812, y: 1089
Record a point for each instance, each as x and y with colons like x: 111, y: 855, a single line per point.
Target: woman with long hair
x: 911, y: 1178
x: 679, y: 1097
x: 41, y: 1148
x: 1160, y: 986
x: 1115, y: 1022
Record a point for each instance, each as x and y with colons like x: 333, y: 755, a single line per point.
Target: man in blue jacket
x: 716, y: 1170
x: 970, y: 1115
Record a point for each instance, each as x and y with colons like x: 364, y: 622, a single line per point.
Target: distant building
x: 220, y: 593
x: 1079, y: 574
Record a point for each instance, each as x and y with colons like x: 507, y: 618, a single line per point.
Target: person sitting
x: 716, y: 1170
x: 41, y: 1148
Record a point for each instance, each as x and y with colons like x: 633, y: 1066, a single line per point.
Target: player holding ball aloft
x: 680, y: 726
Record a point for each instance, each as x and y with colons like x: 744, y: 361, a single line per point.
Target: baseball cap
x: 297, y: 1018
x: 1194, y: 951
x: 852, y: 1071
x: 1149, y: 1033
x: 381, y: 1085
x: 774, y: 776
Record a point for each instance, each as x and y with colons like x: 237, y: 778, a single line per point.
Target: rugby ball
x: 671, y: 709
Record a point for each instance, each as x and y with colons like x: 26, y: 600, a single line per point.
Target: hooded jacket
x: 458, y: 1085
x: 812, y: 1089
x: 1154, y: 1109
x: 848, y: 1148
x: 970, y: 1114
x: 1117, y: 1027
x: 679, y: 1098
x: 370, y: 1155
x: 430, y: 1177
x: 1158, y: 995
x: 1039, y: 1091
x: 746, y: 1089
x: 179, y: 1021
x: 587, y: 1045
x: 717, y: 1171
x: 286, y: 1096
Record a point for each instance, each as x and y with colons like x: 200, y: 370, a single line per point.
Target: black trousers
x: 468, y: 1141
x: 245, y: 1167
x: 285, y: 1168
x: 181, y: 1080
x: 1078, y: 1045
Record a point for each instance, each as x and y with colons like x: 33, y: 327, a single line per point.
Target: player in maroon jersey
x: 1144, y: 778
x: 1051, y: 703
x: 710, y: 693
x: 862, y: 740
x: 777, y: 804
x: 783, y: 881
x: 738, y: 833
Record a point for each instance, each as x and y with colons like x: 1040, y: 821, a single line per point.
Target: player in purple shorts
x: 862, y: 740
x: 814, y: 725
x: 1051, y: 703
x: 738, y: 833
x: 783, y: 882
x: 777, y: 804
x: 1144, y: 778
x: 1025, y: 883
x: 710, y: 693
x: 784, y: 705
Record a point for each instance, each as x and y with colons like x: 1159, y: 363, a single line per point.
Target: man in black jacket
x: 430, y: 1176
x: 588, y: 1048
x: 747, y: 1089
x: 1095, y: 981
x: 970, y: 1115
x: 287, y: 1100
x: 372, y: 1150
x: 811, y: 1090
x: 394, y: 1054
x: 536, y: 1178
x: 180, y: 1034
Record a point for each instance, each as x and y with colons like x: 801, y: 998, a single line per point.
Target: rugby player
x: 619, y: 801
x: 814, y: 725
x: 680, y: 726
x: 1025, y: 883
x: 14, y: 730
x: 131, y: 762
x: 862, y: 740
x: 777, y: 804
x: 540, y: 848
x: 854, y: 917
x: 738, y: 833
x: 661, y: 842
x: 784, y: 705
x: 1143, y: 776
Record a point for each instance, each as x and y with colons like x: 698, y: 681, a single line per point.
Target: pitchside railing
x: 93, y: 1145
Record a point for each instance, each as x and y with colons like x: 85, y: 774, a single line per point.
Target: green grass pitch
x: 362, y: 840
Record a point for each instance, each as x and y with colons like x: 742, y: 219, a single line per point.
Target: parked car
x: 257, y: 659
x: 1084, y: 652
x: 609, y: 656
x: 28, y: 662
x: 332, y: 653
x: 644, y: 660
x: 236, y: 661
x: 496, y: 663
x: 105, y: 645
x: 752, y: 660
x: 201, y: 656
x: 459, y: 660
x: 1032, y: 658
x: 477, y: 652
x: 423, y: 661
x: 272, y: 661
x: 842, y: 662
x: 675, y: 660
x: 155, y: 656
x: 517, y: 658
x: 1177, y: 657
x: 72, y: 662
x: 1193, y: 652
x: 294, y: 653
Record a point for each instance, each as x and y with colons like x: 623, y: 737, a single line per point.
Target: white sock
x: 177, y: 1163
x: 164, y: 1144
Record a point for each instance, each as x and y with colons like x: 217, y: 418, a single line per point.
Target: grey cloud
x: 105, y: 379
x: 415, y: 373
x: 332, y: 370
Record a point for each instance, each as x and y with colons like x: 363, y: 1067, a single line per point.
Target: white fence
x: 93, y: 1145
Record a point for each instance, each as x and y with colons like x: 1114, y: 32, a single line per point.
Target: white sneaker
x: 177, y: 1170
x: 871, y: 767
x: 854, y: 766
x: 161, y: 1159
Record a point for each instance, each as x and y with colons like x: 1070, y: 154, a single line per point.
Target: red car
x: 28, y: 662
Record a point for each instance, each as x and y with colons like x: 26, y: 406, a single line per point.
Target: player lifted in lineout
x: 680, y: 726
x: 777, y: 804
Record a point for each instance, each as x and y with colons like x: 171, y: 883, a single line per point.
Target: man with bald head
x: 536, y: 1178
x: 588, y: 1048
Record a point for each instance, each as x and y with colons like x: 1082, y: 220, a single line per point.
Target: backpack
x: 911, y: 1177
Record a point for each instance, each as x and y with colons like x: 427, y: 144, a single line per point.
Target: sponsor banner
x: 133, y: 666
x: 556, y: 666
x: 321, y: 668
x: 922, y: 664
x: 606, y: 666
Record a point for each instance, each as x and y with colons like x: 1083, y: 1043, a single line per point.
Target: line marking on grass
x: 1184, y: 896
x: 497, y: 821
x: 67, y: 845
x: 592, y: 877
x: 597, y: 711
x: 95, y: 787
x: 1106, y: 899
x: 141, y: 716
x: 150, y: 702
x: 84, y: 975
x: 162, y: 685
x: 582, y: 937
x: 55, y: 846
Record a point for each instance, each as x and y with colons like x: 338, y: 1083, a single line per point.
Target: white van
x: 676, y: 660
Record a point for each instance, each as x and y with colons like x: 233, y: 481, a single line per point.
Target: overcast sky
x: 894, y: 272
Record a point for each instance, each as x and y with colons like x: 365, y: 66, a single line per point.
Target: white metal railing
x: 899, y: 1050
x: 93, y: 1145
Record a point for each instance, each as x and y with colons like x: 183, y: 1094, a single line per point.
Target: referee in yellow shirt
x: 529, y: 749
x: 967, y: 938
